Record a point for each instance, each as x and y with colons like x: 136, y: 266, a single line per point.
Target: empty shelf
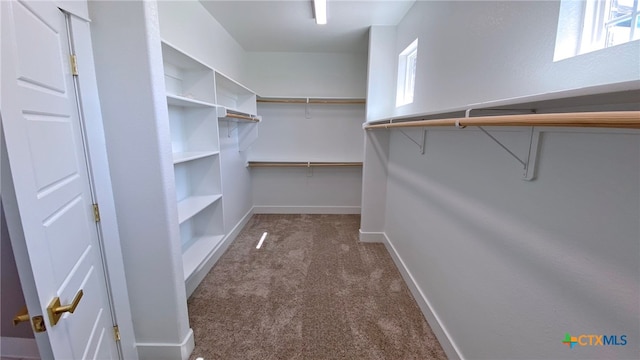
x: 192, y: 205
x: 192, y: 155
x: 197, y: 251
x: 177, y: 100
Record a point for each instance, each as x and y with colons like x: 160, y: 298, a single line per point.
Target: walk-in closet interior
x: 429, y: 179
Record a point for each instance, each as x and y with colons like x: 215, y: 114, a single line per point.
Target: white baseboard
x: 194, y: 280
x: 306, y: 209
x: 155, y: 351
x: 447, y: 343
x: 19, y: 348
x: 371, y: 237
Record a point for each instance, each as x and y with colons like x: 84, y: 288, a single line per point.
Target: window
x: 590, y: 25
x: 609, y: 22
x: 407, y: 61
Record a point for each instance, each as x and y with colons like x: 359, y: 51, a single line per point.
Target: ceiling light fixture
x: 320, y: 11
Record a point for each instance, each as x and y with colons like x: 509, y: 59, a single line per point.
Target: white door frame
x: 99, y: 169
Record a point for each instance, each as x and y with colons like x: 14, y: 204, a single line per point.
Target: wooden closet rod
x: 243, y: 117
x: 605, y: 119
x: 312, y: 101
x: 302, y: 164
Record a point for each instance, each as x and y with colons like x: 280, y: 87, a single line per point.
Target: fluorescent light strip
x: 264, y: 236
x: 320, y: 9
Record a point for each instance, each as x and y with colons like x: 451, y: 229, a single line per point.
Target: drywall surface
x: 288, y: 74
x: 374, y: 182
x: 136, y: 126
x: 501, y: 258
x: 236, y: 178
x: 476, y: 51
x: 188, y: 25
x: 11, y: 290
x: 382, y: 71
x: 317, y: 133
x: 301, y: 190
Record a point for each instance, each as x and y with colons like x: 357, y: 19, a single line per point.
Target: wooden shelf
x: 192, y: 205
x: 196, y: 252
x: 605, y: 119
x: 302, y: 164
x: 177, y: 100
x: 192, y: 155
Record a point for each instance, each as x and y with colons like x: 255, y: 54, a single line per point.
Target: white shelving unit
x: 234, y: 96
x: 193, y: 115
x: 237, y: 104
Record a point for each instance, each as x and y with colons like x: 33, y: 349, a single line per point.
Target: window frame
x: 407, y: 69
x: 595, y: 29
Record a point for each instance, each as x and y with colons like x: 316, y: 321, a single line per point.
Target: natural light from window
x: 407, y: 61
x: 585, y: 26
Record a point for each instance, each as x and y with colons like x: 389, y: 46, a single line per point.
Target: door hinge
x: 74, y: 65
x: 116, y: 333
x: 96, y: 212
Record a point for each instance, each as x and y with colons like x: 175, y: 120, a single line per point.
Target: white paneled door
x: 46, y: 151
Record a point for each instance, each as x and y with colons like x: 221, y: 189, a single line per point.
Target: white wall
x: 497, y: 256
x: 493, y: 257
x: 332, y: 133
x: 136, y: 123
x: 476, y: 51
x: 381, y: 67
x: 188, y: 25
x: 288, y: 74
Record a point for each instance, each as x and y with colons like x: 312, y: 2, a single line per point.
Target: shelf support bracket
x: 421, y: 143
x: 309, y: 169
x: 307, y: 111
x: 524, y: 164
x: 529, y: 164
x: 530, y: 167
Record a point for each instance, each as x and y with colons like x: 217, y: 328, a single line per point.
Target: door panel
x: 52, y: 186
x: 49, y: 74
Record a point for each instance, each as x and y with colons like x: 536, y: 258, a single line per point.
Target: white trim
x: 19, y: 348
x: 99, y: 168
x: 260, y: 209
x: 161, y: 351
x: 199, y: 274
x: 371, y: 237
x: 447, y: 343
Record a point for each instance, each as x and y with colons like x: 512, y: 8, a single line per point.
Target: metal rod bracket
x: 528, y: 165
x: 421, y: 144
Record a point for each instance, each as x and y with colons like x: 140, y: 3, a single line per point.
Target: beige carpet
x: 311, y: 292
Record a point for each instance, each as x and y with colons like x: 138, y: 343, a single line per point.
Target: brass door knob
x: 55, y: 310
x: 21, y: 316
